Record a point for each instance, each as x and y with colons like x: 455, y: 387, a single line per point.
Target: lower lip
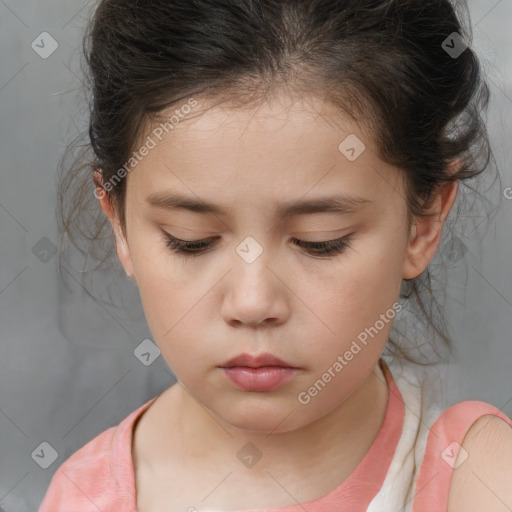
x: 265, y: 378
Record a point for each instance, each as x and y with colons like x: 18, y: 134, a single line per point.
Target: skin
x: 304, y: 309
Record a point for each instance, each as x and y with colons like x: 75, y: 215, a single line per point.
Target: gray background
x: 68, y: 369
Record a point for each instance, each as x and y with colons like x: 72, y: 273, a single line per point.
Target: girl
x: 276, y: 173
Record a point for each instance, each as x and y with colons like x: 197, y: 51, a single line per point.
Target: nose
x: 255, y: 293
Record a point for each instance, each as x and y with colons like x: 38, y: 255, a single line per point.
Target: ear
x: 426, y: 231
x: 122, y: 248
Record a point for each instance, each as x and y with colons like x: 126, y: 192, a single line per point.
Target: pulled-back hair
x: 384, y: 63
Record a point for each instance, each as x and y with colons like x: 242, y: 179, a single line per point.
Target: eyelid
x: 213, y: 238
x: 322, y: 249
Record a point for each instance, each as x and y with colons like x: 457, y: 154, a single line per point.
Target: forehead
x: 291, y: 116
x: 281, y: 149
x: 279, y: 119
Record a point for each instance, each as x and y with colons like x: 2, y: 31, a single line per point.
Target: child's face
x: 307, y: 310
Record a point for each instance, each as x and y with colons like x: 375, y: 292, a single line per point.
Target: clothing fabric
x: 408, y: 467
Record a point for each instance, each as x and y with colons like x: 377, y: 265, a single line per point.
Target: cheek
x: 348, y: 301
x: 162, y: 285
x: 175, y: 306
x: 167, y: 304
x: 174, y: 315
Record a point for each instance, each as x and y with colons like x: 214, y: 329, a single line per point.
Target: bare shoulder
x: 483, y: 481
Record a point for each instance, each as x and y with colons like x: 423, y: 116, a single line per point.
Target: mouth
x: 266, y: 360
x: 265, y: 378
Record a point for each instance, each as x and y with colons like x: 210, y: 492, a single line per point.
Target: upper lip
x: 256, y: 362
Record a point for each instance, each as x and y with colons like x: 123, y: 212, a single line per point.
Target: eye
x: 188, y: 248
x: 329, y: 248
x: 198, y: 247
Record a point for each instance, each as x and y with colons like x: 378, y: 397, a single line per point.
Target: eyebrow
x: 340, y: 203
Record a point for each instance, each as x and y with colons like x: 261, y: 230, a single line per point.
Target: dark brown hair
x: 384, y: 62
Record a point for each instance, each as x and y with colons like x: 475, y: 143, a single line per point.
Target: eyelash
x: 197, y: 247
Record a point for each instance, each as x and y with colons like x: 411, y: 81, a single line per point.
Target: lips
x: 256, y: 362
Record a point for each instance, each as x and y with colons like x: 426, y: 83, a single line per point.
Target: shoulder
x: 77, y: 478
x: 98, y: 476
x: 482, y: 474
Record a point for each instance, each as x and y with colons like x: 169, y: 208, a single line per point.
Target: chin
x: 261, y: 420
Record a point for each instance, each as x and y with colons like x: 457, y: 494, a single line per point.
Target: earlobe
x: 415, y: 256
x: 122, y: 248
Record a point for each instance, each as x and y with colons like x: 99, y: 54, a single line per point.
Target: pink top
x: 100, y: 475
